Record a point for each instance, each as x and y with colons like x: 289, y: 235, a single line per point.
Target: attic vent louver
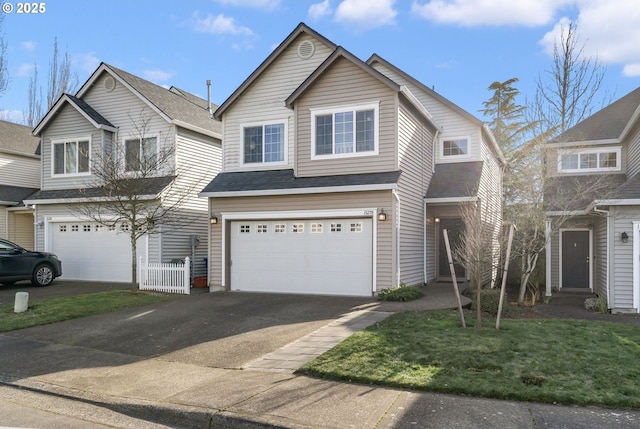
x: 306, y: 49
x: 109, y: 84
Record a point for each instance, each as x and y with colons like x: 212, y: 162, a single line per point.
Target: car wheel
x: 42, y: 275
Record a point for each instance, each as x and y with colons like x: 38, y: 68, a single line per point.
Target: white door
x: 89, y: 251
x: 319, y: 256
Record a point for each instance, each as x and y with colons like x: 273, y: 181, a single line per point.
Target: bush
x: 489, y: 301
x: 401, y: 293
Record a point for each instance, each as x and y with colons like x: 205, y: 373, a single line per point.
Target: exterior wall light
x: 624, y: 237
x: 436, y: 220
x: 213, y: 219
x: 382, y: 216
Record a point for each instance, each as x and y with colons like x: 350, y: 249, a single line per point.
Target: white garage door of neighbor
x: 89, y: 251
x: 326, y: 257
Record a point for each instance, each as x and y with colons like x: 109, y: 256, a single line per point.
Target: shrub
x: 401, y: 293
x: 596, y: 304
x: 489, y: 301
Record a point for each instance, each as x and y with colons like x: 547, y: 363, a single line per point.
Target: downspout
x: 547, y: 256
x: 606, y: 213
x: 397, y: 216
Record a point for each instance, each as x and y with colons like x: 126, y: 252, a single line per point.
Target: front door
x: 575, y: 259
x: 455, y: 228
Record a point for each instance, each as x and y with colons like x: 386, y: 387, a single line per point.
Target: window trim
x: 610, y: 149
x: 124, y: 149
x: 454, y: 138
x: 263, y: 124
x: 75, y: 140
x: 375, y: 106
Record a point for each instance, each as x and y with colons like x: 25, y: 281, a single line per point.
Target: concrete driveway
x: 217, y: 330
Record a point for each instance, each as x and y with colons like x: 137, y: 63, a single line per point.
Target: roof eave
x: 299, y: 191
x: 199, y: 130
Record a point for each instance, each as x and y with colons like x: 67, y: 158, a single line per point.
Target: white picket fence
x: 165, y: 277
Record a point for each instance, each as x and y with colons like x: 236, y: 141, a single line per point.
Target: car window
x: 6, y: 247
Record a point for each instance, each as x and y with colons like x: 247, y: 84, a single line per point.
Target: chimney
x: 209, y: 98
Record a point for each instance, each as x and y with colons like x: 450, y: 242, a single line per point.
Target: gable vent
x: 109, y: 84
x: 306, y: 49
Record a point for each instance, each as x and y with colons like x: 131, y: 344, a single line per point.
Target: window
x: 345, y: 132
x: 356, y: 227
x: 71, y: 157
x: 264, y: 143
x: 262, y: 229
x: 62, y: 228
x: 316, y: 228
x: 86, y: 228
x: 297, y: 228
x: 75, y: 228
x: 279, y: 228
x: 455, y: 147
x: 336, y: 227
x: 245, y: 229
x: 140, y: 154
x: 589, y: 160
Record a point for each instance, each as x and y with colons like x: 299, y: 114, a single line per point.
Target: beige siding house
x: 19, y: 178
x: 592, y: 199
x: 119, y: 115
x: 329, y: 162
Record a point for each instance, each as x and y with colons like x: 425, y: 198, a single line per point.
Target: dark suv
x: 17, y: 264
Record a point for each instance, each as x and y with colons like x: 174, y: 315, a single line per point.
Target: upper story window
x: 264, y: 143
x: 351, y: 131
x: 583, y: 161
x: 71, y: 156
x: 458, y: 146
x: 140, y: 153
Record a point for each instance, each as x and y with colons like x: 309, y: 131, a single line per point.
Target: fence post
x: 187, y: 276
x: 141, y: 281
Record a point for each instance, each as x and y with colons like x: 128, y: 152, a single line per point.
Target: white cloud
x: 469, y: 13
x: 157, y: 76
x: 28, y: 46
x: 258, y: 4
x: 606, y: 29
x: 219, y: 24
x: 88, y: 62
x: 15, y: 116
x: 366, y: 14
x: 320, y: 10
x: 25, y: 70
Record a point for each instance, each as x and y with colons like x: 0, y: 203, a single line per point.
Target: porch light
x: 624, y: 237
x: 213, y: 219
x: 382, y: 216
x: 436, y: 220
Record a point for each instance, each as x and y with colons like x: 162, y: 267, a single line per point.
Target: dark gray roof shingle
x: 574, y: 193
x: 90, y: 111
x: 151, y: 186
x: 285, y: 179
x: 14, y: 194
x: 606, y: 124
x: 456, y: 180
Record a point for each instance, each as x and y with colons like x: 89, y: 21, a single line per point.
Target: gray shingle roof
x: 608, y: 123
x: 13, y: 195
x: 574, y: 193
x: 18, y: 138
x: 459, y: 180
x: 151, y: 186
x: 90, y: 111
x: 285, y: 179
x: 175, y: 104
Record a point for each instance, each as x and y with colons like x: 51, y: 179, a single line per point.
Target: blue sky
x: 458, y: 47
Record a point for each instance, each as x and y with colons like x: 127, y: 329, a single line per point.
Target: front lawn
x: 538, y: 360
x: 54, y: 310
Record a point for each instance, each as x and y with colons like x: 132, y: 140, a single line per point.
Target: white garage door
x: 89, y: 251
x: 328, y: 256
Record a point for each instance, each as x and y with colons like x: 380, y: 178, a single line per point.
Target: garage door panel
x: 318, y: 256
x: 93, y: 252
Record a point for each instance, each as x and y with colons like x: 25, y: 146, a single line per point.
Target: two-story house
x: 19, y: 178
x: 592, y: 203
x: 116, y: 115
x: 338, y: 175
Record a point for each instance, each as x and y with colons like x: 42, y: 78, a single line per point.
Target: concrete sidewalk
x: 166, y: 391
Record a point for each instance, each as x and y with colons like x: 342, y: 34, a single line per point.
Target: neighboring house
x: 115, y: 112
x: 19, y: 178
x: 592, y: 203
x: 336, y: 172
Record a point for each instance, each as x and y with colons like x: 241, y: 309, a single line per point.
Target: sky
x: 457, y: 47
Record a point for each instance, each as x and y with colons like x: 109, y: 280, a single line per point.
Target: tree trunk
x: 134, y: 263
x: 478, y: 304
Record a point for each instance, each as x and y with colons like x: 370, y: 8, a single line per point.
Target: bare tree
x: 61, y: 80
x: 4, y: 70
x: 135, y: 187
x: 568, y: 91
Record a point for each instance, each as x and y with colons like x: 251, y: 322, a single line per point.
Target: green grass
x: 538, y: 360
x: 53, y: 310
